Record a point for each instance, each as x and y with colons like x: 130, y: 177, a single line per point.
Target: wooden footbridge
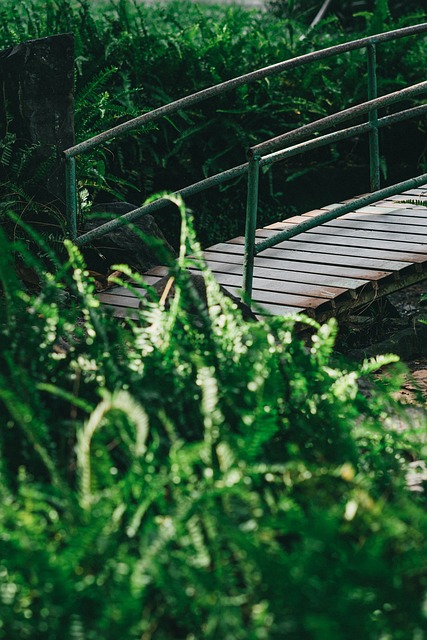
x: 324, y: 262
x: 337, y: 266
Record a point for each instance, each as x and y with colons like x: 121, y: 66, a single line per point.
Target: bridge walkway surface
x: 329, y: 270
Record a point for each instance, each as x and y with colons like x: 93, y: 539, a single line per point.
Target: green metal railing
x: 272, y: 150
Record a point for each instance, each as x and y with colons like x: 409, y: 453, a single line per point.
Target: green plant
x: 416, y: 202
x: 349, y: 12
x: 192, y: 475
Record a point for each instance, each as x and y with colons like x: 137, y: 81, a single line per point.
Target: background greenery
x: 132, y: 57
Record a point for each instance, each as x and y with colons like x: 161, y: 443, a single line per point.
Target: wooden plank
x: 383, y: 207
x: 395, y: 237
x: 360, y: 252
x: 124, y: 306
x: 119, y: 300
x: 315, y: 271
x: 417, y: 190
x: 351, y: 232
x: 295, y: 281
x: 395, y: 217
x: 150, y: 279
x: 353, y: 240
x: 386, y: 221
x: 407, y: 195
x: 280, y: 273
x: 123, y: 312
x: 279, y: 310
x: 341, y: 270
x: 313, y: 247
x: 283, y: 299
x: 233, y: 282
x: 281, y: 286
x: 389, y: 207
x: 369, y: 209
x: 296, y: 302
x: 312, y: 257
x: 401, y: 207
x: 147, y: 278
x: 402, y: 203
x: 158, y: 272
x: 123, y: 292
x: 286, y: 300
x: 386, y: 218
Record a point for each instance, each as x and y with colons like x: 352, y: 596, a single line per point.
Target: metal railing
x: 256, y: 160
x: 271, y: 150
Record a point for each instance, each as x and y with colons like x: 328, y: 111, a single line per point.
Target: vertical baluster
x: 71, y: 196
x: 374, y: 149
x: 251, y: 223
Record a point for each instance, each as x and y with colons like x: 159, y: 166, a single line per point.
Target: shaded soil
x: 393, y: 325
x: 410, y: 304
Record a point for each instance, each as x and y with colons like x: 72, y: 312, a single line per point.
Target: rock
x: 123, y: 245
x: 407, y: 343
x: 37, y: 108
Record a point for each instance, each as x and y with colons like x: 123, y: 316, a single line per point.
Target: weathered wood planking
x: 327, y: 270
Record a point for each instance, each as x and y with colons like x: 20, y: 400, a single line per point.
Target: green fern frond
x: 90, y: 93
x: 123, y: 402
x: 6, y: 149
x: 417, y: 203
x: 373, y: 364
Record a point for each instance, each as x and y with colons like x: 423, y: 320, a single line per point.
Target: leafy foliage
x: 347, y: 11
x: 193, y: 475
x: 132, y: 57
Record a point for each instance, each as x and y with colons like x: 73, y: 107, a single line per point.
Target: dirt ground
x: 409, y: 302
x: 395, y: 326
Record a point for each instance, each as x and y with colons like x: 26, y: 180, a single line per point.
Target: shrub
x: 192, y: 475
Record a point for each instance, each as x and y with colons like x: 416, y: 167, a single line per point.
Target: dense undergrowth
x: 192, y: 475
x: 132, y: 57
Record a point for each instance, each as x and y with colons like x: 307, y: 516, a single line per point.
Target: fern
x: 188, y: 470
x: 119, y: 402
x: 6, y: 149
x: 417, y: 203
x: 91, y: 105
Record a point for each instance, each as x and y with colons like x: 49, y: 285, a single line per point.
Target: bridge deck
x: 337, y: 266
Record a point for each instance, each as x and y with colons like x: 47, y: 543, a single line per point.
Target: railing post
x: 374, y: 148
x: 71, y: 196
x: 251, y: 222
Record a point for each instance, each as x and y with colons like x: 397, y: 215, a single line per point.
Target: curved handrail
x: 231, y: 174
x: 255, y: 153
x: 273, y: 144
x: 274, y: 150
x: 234, y: 83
